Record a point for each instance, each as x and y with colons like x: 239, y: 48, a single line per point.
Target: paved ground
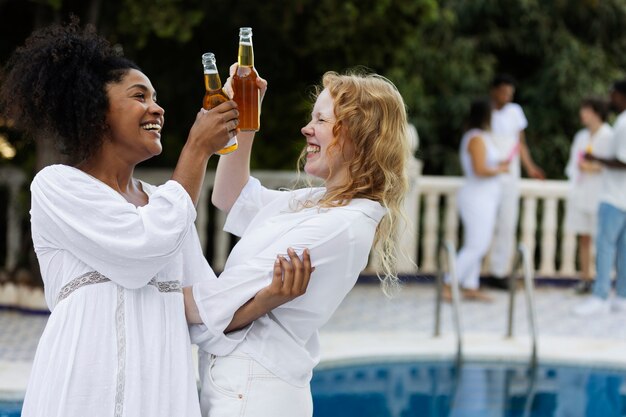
x: 369, y: 322
x: 367, y: 309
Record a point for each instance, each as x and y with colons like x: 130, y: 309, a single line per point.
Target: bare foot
x: 476, y: 295
x: 446, y: 293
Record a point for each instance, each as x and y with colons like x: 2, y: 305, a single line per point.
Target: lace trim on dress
x: 94, y: 277
x: 120, y: 329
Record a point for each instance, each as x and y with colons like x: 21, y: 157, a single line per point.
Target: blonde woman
x: 356, y: 142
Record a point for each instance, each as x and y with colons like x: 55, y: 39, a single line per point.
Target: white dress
x: 117, y: 342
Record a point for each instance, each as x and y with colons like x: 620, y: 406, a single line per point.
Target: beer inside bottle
x: 214, y: 95
x: 246, y: 91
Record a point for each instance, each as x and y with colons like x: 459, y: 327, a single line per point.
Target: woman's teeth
x: 312, y: 149
x: 151, y: 126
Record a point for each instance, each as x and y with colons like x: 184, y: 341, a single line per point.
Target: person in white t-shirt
x: 585, y: 181
x: 611, y: 238
x: 508, y: 123
x: 357, y: 144
x: 114, y: 251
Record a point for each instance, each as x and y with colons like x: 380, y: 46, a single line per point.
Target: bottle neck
x: 212, y: 81
x: 246, y: 53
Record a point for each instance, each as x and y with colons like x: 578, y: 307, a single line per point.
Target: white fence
x: 540, y: 224
x: 430, y: 204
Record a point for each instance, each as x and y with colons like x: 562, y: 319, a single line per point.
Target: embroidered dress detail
x: 166, y: 286
x: 94, y: 277
x: 89, y: 278
x: 120, y: 329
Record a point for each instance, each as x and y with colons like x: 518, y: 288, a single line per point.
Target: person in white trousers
x: 478, y: 199
x: 356, y: 143
x: 508, y: 123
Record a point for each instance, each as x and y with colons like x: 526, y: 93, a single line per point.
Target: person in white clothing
x: 611, y: 238
x: 478, y: 199
x: 508, y: 123
x: 585, y: 182
x: 113, y: 250
x: 357, y: 143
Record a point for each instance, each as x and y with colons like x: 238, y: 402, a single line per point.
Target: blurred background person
x: 478, y: 199
x: 508, y: 123
x: 585, y: 183
x: 611, y: 238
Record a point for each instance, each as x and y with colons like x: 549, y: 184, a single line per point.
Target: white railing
x: 431, y: 203
x: 542, y: 204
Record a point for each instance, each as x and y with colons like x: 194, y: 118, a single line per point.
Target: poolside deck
x: 368, y: 324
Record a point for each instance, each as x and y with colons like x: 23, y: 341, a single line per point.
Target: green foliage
x: 440, y: 54
x: 558, y: 51
x: 167, y: 19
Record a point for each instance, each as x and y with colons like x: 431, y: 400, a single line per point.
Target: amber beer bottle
x: 214, y: 94
x: 246, y: 91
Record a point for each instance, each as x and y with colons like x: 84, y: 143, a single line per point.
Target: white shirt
x: 114, y: 346
x: 614, y: 179
x: 492, y: 156
x: 286, y: 341
x: 585, y: 187
x: 506, y: 125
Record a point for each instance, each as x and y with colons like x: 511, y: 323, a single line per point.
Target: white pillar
x: 548, y: 237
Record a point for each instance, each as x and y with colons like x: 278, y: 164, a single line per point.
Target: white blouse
x: 117, y: 342
x: 585, y: 187
x: 286, y: 340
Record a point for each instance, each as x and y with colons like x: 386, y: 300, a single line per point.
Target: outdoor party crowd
x: 491, y: 152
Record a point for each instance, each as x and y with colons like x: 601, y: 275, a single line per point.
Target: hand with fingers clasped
x: 290, y: 280
x: 213, y: 128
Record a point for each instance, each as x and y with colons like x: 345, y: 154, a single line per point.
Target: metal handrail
x: 448, y: 247
x: 522, y: 259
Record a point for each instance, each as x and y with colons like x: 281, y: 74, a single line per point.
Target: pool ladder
x: 522, y: 260
x: 450, y: 253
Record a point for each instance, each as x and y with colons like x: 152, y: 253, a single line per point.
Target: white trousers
x: 478, y: 203
x: 238, y: 386
x: 503, y: 243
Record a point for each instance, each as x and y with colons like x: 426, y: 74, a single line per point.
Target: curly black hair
x: 55, y: 86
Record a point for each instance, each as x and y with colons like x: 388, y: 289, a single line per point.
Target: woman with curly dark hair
x: 113, y: 250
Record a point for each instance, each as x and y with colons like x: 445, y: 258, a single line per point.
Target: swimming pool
x: 476, y: 389
x: 10, y: 408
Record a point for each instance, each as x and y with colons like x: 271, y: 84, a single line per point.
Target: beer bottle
x: 214, y: 94
x: 246, y: 91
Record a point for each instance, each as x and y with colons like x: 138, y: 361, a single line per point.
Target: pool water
x: 10, y: 408
x: 475, y: 389
x: 437, y: 389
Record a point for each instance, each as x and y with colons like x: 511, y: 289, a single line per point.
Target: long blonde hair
x: 371, y: 114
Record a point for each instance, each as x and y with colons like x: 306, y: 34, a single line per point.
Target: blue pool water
x: 437, y: 389
x: 10, y: 408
